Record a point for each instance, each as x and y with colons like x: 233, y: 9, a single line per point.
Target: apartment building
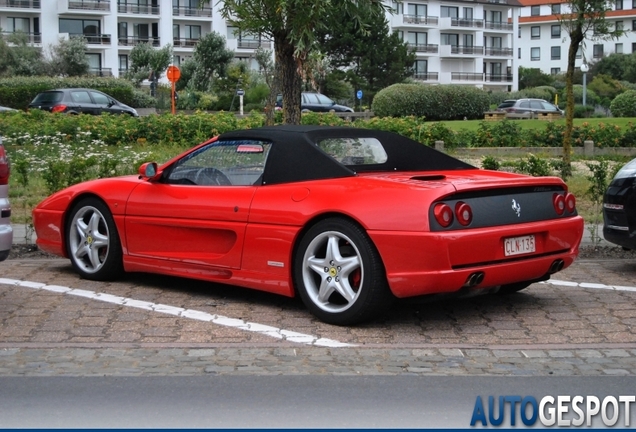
x: 544, y: 44
x: 456, y: 42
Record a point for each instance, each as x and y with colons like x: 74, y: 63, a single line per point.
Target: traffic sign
x: 173, y: 73
x: 359, y: 94
x: 240, y: 92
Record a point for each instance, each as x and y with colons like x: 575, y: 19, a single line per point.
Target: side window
x: 222, y: 163
x: 524, y: 104
x: 311, y: 98
x: 324, y: 100
x: 548, y: 106
x: 81, y: 97
x: 100, y: 99
x: 536, y: 105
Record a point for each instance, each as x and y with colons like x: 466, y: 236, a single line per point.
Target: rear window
x: 354, y: 151
x: 48, y: 97
x: 507, y: 104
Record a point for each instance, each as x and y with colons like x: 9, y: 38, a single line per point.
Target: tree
x: 268, y: 69
x: 18, y: 57
x: 531, y: 77
x: 586, y: 19
x: 292, y: 24
x: 346, y: 45
x: 147, y: 62
x: 212, y: 59
x: 68, y: 57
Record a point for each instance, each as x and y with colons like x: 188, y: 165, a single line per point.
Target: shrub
x: 624, y: 105
x: 490, y: 163
x: 443, y: 102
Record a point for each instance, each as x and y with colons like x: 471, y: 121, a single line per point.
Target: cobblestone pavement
x: 545, y: 330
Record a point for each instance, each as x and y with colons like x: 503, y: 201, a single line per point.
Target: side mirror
x: 148, y: 170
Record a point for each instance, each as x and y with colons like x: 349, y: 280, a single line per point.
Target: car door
x: 103, y: 103
x: 311, y: 103
x: 82, y: 103
x: 198, y: 212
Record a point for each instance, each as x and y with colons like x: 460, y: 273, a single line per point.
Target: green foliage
x: 443, y: 102
x: 68, y: 57
x: 599, y: 180
x: 490, y: 163
x: 505, y: 133
x: 605, y: 87
x: 19, y: 58
x: 624, y: 105
x: 211, y: 59
x: 591, y: 98
x: 531, y: 77
x: 534, y: 166
x: 145, y: 59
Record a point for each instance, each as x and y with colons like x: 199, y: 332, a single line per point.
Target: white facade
x: 460, y: 42
x: 456, y: 42
x: 545, y: 44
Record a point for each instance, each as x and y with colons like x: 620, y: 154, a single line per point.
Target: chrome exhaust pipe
x: 474, y: 279
x: 556, y: 266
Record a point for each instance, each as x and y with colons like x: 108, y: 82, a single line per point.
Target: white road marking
x: 266, y: 330
x: 589, y: 285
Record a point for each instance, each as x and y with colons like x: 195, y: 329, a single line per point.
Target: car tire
x: 92, y: 241
x: 339, y: 274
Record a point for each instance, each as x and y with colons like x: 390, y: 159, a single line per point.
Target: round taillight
x: 570, y: 202
x: 464, y: 213
x: 443, y: 214
x: 559, y: 203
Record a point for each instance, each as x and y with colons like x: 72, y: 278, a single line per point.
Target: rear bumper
x: 419, y: 263
x: 6, y: 240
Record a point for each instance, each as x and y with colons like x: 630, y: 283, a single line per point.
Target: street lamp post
x: 584, y: 69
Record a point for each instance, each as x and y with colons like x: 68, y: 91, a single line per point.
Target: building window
x: 449, y: 11
x: 556, y: 9
x: 634, y: 22
x: 176, y: 60
x: 80, y: 27
x: 420, y: 10
x: 176, y: 32
x: 468, y: 13
x: 519, y: 33
x: 192, y: 32
x: 232, y: 32
x: 555, y: 53
x: 555, y: 71
x: 496, y: 16
x: 579, y: 53
x: 18, y: 25
x: 123, y: 63
x: 398, y: 8
x: 597, y: 51
x: 555, y: 31
x: 420, y: 67
x: 518, y: 52
x: 535, y: 10
x: 449, y: 39
x: 535, y: 54
x: 417, y: 38
x: 619, y: 4
x: 633, y: 47
x: 618, y: 48
x: 535, y: 32
x: 619, y: 25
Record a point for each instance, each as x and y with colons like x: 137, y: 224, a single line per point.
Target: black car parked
x: 316, y: 102
x: 80, y: 101
x: 619, y: 208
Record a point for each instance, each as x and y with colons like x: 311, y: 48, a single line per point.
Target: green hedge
x: 441, y: 102
x: 195, y: 128
x: 18, y: 92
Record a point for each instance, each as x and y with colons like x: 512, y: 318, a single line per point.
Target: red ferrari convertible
x: 346, y: 218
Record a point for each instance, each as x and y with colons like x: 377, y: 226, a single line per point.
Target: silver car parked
x: 528, y: 108
x: 6, y: 232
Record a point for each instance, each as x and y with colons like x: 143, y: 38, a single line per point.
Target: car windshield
x: 354, y: 151
x: 48, y: 97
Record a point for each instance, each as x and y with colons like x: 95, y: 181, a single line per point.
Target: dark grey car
x: 80, y: 101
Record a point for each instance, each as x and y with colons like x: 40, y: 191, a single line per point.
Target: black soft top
x: 294, y: 155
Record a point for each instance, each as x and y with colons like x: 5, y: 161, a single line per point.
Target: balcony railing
x: 425, y: 48
x: 123, y: 71
x: 185, y: 42
x: 191, y: 12
x: 136, y: 40
x: 96, y: 5
x: 498, y: 78
x: 426, y: 76
x: 498, y: 25
x: 138, y: 9
x: 101, y: 72
x: 466, y: 76
x: 467, y: 49
x: 498, y: 52
x: 465, y: 22
x: 420, y: 19
x: 94, y: 39
x: 253, y: 44
x: 32, y: 38
x: 23, y: 4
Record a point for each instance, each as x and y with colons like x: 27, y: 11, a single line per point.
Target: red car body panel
x: 246, y: 235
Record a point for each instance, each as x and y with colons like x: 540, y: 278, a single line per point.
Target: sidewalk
x: 20, y: 236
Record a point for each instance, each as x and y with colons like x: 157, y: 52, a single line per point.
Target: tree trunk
x: 576, y: 37
x: 286, y: 62
x: 274, y: 89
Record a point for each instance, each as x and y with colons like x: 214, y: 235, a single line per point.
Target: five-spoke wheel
x: 339, y: 274
x: 92, y: 240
